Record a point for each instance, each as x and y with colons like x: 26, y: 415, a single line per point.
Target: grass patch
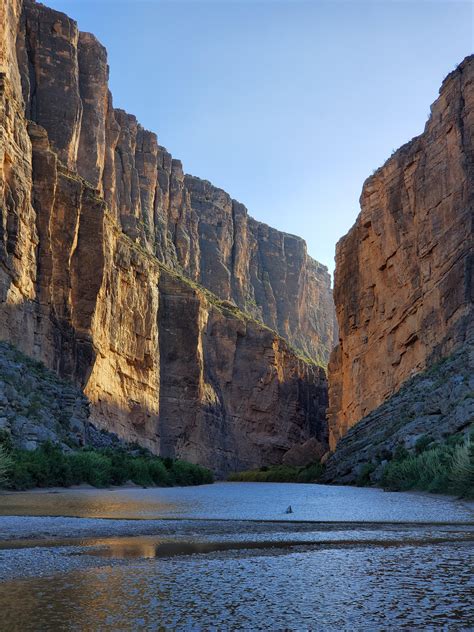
x: 49, y: 466
x: 5, y: 465
x: 280, y: 474
x: 446, y: 469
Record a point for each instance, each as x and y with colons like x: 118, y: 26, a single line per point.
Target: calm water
x: 371, y: 561
x: 241, y: 501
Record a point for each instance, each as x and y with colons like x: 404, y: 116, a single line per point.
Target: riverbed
x: 228, y: 557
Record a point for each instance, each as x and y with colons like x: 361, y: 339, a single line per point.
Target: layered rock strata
x: 105, y: 247
x: 434, y: 404
x: 403, y: 282
x: 188, y: 223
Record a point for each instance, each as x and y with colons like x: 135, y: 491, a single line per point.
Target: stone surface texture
x: 36, y: 406
x: 188, y: 223
x: 436, y: 403
x: 404, y: 272
x: 106, y: 251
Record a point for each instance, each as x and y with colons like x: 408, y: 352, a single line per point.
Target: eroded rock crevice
x: 154, y: 291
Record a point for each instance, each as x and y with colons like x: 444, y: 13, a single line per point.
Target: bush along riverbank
x: 444, y: 468
x: 280, y: 474
x: 50, y: 466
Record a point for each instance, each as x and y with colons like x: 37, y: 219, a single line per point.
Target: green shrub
x: 21, y: 477
x: 183, y: 473
x: 90, y: 467
x: 400, y: 453
x: 447, y: 468
x: 280, y: 474
x: 311, y: 473
x: 422, y: 444
x: 363, y: 478
x: 48, y: 466
x: 6, y: 440
x: 5, y: 466
x: 462, y: 471
x: 159, y: 473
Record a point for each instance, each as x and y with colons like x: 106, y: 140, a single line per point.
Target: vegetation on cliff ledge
x: 49, y: 466
x: 280, y: 474
x: 229, y: 309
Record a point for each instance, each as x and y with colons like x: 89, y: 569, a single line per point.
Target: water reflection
x: 87, y: 503
x: 367, y: 561
x: 146, y: 548
x: 365, y: 588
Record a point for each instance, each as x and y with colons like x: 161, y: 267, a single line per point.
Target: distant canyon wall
x: 152, y: 290
x: 404, y: 272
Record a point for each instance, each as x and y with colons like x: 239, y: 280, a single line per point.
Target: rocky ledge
x: 434, y: 404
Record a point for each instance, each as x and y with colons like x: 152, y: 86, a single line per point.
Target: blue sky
x: 286, y: 104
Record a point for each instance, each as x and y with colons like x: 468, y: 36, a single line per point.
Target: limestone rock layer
x: 404, y: 272
x: 152, y: 290
x: 186, y: 222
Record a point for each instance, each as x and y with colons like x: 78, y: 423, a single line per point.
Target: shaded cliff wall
x: 163, y: 361
x: 434, y: 404
x: 236, y: 393
x: 403, y: 281
x: 188, y: 223
x: 18, y: 234
x: 267, y: 273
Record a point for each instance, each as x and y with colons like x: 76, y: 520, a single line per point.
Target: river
x: 228, y: 557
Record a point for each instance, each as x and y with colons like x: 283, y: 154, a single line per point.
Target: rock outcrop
x: 106, y: 251
x: 232, y: 392
x: 267, y: 273
x: 36, y: 406
x: 434, y: 404
x: 404, y: 272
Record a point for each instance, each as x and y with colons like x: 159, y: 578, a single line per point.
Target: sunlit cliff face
x: 103, y: 241
x: 403, y: 273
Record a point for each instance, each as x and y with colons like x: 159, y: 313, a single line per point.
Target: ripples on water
x: 230, y: 575
x: 364, y: 589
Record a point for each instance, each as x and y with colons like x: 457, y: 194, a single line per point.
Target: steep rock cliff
x: 103, y: 245
x: 403, y: 281
x: 232, y: 392
x: 188, y: 223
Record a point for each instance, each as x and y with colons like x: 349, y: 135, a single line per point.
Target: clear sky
x: 286, y: 104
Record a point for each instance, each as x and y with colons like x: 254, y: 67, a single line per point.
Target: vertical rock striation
x: 237, y: 392
x: 186, y: 222
x: 126, y: 276
x: 403, y: 283
x: 18, y: 234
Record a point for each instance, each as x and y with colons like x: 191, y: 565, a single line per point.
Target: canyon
x: 197, y: 331
x: 193, y: 329
x: 150, y: 326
